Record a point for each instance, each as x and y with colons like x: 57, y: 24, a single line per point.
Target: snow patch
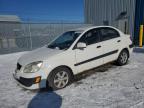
x: 116, y: 87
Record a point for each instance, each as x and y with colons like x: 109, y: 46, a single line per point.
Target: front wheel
x: 123, y: 58
x: 59, y: 78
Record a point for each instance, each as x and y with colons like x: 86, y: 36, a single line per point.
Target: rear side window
x: 91, y: 37
x: 109, y: 33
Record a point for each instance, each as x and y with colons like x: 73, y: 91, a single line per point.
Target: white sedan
x: 75, y: 51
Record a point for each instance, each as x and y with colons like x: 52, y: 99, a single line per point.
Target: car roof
x: 90, y: 27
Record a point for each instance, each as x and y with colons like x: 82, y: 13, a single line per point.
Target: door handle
x: 119, y: 41
x: 98, y: 46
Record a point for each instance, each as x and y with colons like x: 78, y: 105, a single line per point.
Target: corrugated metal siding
x: 98, y: 11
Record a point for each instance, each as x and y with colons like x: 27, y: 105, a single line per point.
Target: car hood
x: 40, y: 54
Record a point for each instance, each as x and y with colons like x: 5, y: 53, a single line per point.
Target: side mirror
x: 81, y: 45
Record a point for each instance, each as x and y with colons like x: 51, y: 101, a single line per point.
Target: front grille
x: 18, y: 66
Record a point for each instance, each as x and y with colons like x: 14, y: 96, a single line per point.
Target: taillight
x: 131, y: 38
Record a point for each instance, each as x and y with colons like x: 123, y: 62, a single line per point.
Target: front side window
x: 90, y: 37
x: 109, y: 33
x: 64, y: 41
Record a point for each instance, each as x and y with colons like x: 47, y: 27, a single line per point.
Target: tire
x: 123, y: 58
x: 59, y: 78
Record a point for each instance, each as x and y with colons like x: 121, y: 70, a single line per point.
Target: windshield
x: 64, y: 41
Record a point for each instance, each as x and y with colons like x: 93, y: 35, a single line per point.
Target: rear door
x: 111, y: 43
x: 90, y: 56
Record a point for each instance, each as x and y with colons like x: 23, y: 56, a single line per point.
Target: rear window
x: 109, y: 33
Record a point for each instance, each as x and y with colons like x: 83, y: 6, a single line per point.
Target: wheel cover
x: 61, y: 79
x: 123, y: 57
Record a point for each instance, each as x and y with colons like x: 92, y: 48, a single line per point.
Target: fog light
x: 37, y: 79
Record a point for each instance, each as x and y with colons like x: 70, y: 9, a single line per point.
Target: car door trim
x: 95, y: 58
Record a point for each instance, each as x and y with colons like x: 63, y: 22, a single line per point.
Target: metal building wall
x: 98, y: 11
x: 139, y: 19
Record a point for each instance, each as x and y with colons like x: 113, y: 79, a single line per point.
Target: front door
x: 90, y: 56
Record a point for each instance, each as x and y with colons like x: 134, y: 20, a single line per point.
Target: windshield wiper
x: 51, y: 46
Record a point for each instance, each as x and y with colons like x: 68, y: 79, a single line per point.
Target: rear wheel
x: 123, y: 58
x: 59, y: 78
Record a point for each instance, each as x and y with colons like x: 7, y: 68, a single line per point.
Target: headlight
x: 33, y: 67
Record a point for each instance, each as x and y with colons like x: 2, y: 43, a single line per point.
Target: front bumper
x: 28, y: 82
